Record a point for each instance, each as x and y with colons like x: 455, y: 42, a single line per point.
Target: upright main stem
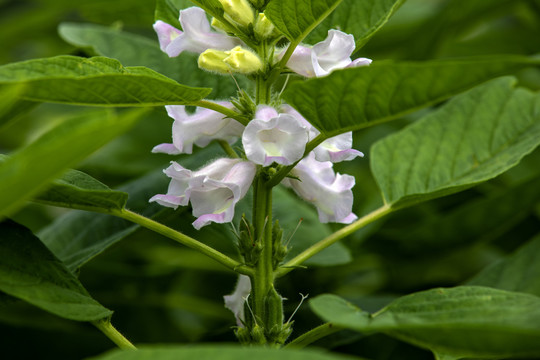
x: 263, y: 278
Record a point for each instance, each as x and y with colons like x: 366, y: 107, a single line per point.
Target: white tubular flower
x: 196, y: 37
x: 215, y: 189
x: 273, y: 137
x: 330, y: 192
x: 199, y: 128
x: 331, y: 54
x: 176, y: 194
x: 235, y: 301
x: 335, y: 149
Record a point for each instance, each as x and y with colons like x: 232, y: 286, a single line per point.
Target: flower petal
x: 235, y: 301
x: 281, y: 139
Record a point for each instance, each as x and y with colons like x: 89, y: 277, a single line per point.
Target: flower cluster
x: 276, y: 135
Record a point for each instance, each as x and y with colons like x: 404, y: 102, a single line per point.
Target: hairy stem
x: 184, y: 240
x: 263, y: 278
x: 222, y: 109
x: 116, y: 337
x: 228, y: 149
x: 313, y: 335
x: 331, y: 239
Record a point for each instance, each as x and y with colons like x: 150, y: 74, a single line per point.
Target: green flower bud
x: 239, y: 11
x: 216, y: 24
x: 273, y: 303
x: 243, y: 61
x: 213, y: 60
x: 263, y: 27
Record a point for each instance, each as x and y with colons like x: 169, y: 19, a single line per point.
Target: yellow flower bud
x: 240, y: 11
x: 218, y: 25
x: 263, y: 27
x: 213, y: 60
x: 243, y: 61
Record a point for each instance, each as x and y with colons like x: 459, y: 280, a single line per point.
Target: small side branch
x: 184, y: 240
x: 114, y: 335
x: 335, y: 237
x: 313, y: 335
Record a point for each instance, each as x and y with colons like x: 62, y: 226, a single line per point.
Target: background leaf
x: 31, y: 273
x: 58, y: 149
x: 223, y: 352
x: 475, y: 137
x: 359, y: 18
x: 499, y: 323
x: 296, y: 18
x: 96, y: 81
x: 356, y: 98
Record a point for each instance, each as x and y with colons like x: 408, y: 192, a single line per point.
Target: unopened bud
x: 263, y: 27
x: 218, y: 25
x: 239, y: 11
x: 213, y: 60
x: 243, y: 61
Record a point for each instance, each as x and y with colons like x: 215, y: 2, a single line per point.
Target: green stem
x: 313, y: 335
x: 222, y: 109
x: 263, y: 277
x: 116, y: 337
x: 228, y: 149
x: 262, y: 86
x: 184, y: 240
x: 335, y: 237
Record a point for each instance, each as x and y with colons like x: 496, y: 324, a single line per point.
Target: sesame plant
x: 255, y: 221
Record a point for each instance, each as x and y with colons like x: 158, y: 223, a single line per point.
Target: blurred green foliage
x: 162, y: 292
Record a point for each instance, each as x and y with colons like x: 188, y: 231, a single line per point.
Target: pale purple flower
x: 273, y: 137
x: 334, y: 149
x: 213, y: 191
x: 318, y: 184
x: 326, y: 56
x: 199, y: 128
x: 235, y: 301
x: 196, y: 37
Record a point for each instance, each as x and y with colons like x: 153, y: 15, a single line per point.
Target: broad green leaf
x: 296, y: 18
x: 357, y: 98
x: 519, y: 272
x: 473, y: 138
x: 359, y: 18
x: 465, y: 321
x: 96, y: 81
x: 29, y: 170
x: 136, y: 50
x: 9, y: 104
x: 221, y: 352
x: 30, y: 272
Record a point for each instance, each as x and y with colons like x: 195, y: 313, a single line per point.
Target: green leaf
x: 30, y: 272
x: 296, y: 18
x: 519, y: 272
x: 221, y: 352
x: 473, y: 138
x: 359, y: 18
x: 136, y: 50
x: 76, y: 189
x: 357, y: 98
x: 465, y: 321
x: 31, y: 169
x: 96, y: 81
